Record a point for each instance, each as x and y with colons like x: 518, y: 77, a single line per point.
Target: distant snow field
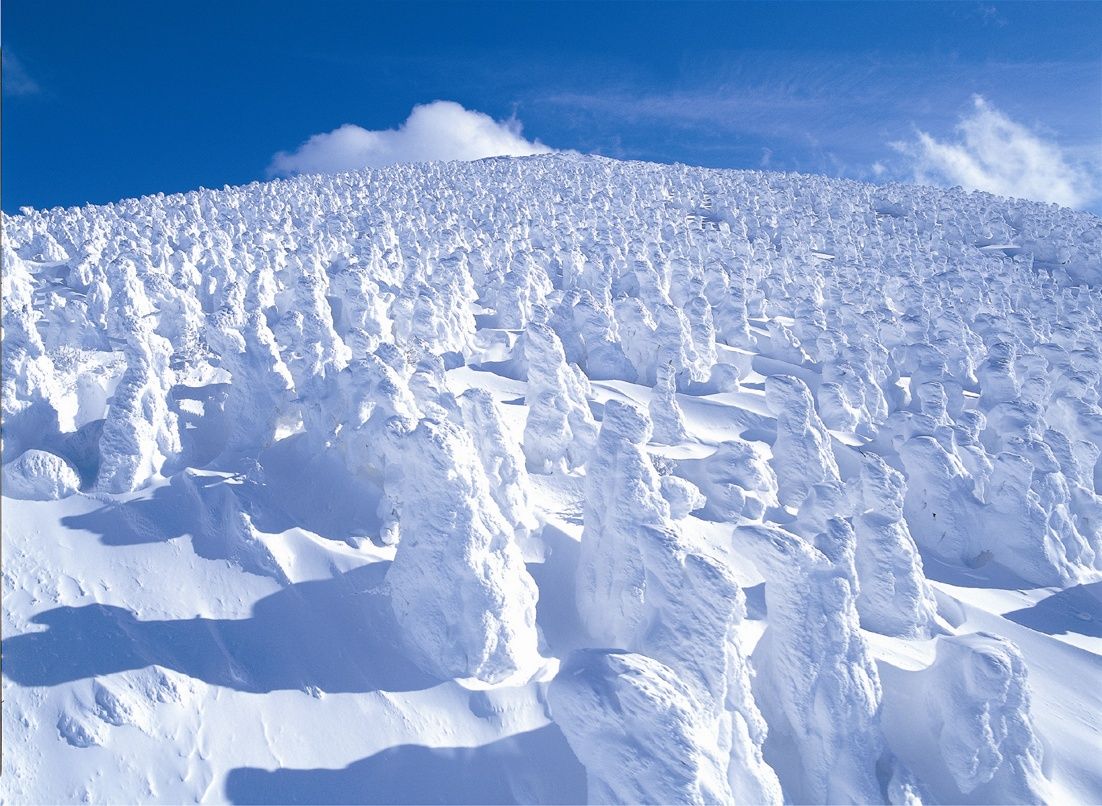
x: 553, y: 480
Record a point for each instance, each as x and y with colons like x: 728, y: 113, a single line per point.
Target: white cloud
x: 998, y: 155
x: 441, y: 130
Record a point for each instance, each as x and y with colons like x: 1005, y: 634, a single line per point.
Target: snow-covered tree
x: 560, y: 430
x: 458, y: 586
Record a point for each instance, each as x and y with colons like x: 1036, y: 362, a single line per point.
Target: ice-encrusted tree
x: 624, y: 514
x: 637, y: 328
x: 665, y: 411
x: 374, y: 402
x: 1010, y: 525
x: 140, y: 432
x: 560, y: 430
x: 965, y: 725
x: 817, y: 684
x: 642, y: 588
x: 125, y: 297
x: 702, y: 333
x: 736, y: 480
x: 360, y: 318
x: 429, y: 385
x: 894, y: 598
x: 682, y: 495
x: 260, y: 388
x: 372, y: 391
x: 312, y: 351
x: 997, y: 377
x: 802, y: 453
x: 784, y: 345
x: 673, y: 338
x: 1020, y: 533
x: 595, y: 326
x: 38, y: 475
x: 638, y: 730
x: 502, y: 460
x: 459, y: 590
x: 524, y: 286
x: 436, y: 315
x: 731, y: 316
x: 940, y: 506
x: 836, y: 408
x: 33, y: 402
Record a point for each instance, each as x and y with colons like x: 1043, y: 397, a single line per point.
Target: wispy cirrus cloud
x: 441, y: 130
x: 818, y: 114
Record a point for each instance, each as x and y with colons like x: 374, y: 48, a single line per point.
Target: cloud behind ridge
x: 441, y: 130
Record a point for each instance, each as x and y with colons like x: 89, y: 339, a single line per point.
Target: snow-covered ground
x: 550, y: 480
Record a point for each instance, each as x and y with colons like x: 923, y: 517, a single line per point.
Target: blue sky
x: 110, y: 99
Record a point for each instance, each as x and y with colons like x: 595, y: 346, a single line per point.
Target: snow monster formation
x: 817, y: 684
x: 642, y: 588
x: 894, y: 597
x: 965, y: 725
x: 720, y: 472
x: 458, y: 587
x: 637, y: 727
x: 802, y: 453
x: 560, y: 428
x: 501, y: 460
x: 140, y: 432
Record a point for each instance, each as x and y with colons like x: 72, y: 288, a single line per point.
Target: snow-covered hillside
x: 553, y: 479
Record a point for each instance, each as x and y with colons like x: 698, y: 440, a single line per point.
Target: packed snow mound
x: 39, y: 476
x: 514, y: 480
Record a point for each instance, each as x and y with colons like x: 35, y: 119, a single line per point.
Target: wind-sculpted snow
x: 665, y: 411
x: 970, y: 729
x: 749, y: 460
x: 140, y: 433
x: 802, y: 453
x: 501, y: 460
x: 735, y: 480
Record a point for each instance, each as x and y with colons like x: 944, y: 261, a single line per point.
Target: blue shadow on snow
x: 533, y: 767
x: 335, y: 635
x: 1075, y: 610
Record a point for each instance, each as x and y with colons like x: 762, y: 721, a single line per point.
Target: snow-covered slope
x: 546, y: 479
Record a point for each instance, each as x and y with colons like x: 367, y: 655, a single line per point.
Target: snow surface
x: 551, y: 479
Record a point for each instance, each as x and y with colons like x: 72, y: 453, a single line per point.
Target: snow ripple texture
x: 533, y: 480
